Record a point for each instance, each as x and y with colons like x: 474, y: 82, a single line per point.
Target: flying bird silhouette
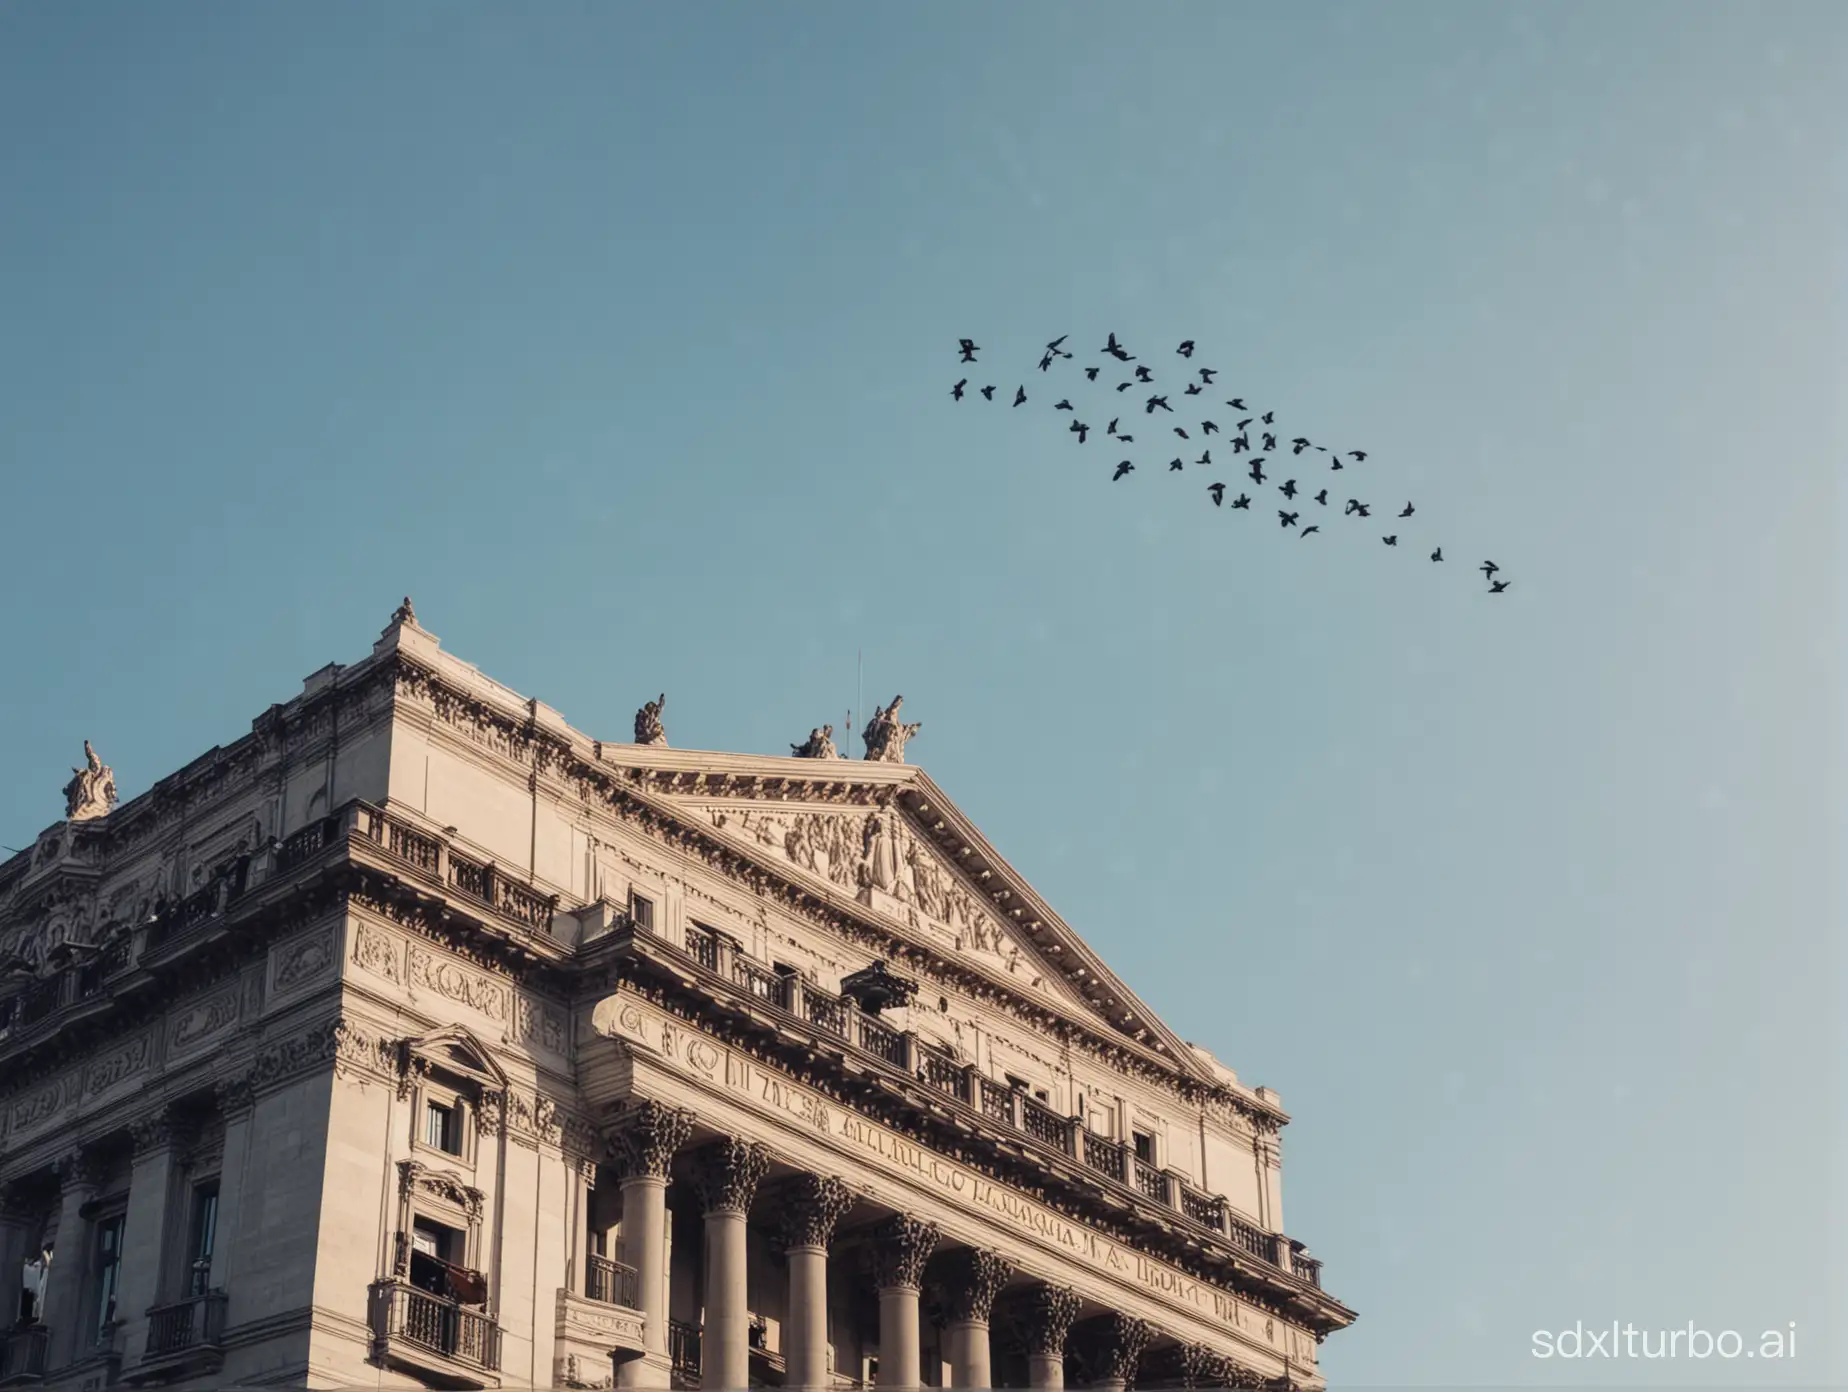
x: 1080, y: 429
x: 1237, y: 403
x: 1287, y: 519
x: 1124, y: 468
x: 1186, y: 349
x: 1206, y: 458
x: 1408, y: 511
x: 1182, y: 433
x: 1438, y: 554
x: 1322, y: 497
x: 1288, y: 488
x: 1127, y: 439
x: 1175, y: 466
x: 1358, y: 456
x: 988, y: 393
x: 1489, y: 567
x: 1046, y: 362
x: 1144, y: 375
x: 1497, y: 586
x: 1269, y: 416
x: 1053, y: 347
x: 1160, y: 401
x: 1242, y: 424
x: 1207, y: 374
x: 1193, y: 389
x: 1091, y: 373
x: 1257, y: 471
x: 969, y: 350
x: 1111, y: 428
x: 1299, y: 444
x: 1312, y: 527
x: 1270, y: 440
x: 957, y: 390
x: 1126, y: 386
x: 1391, y: 540
x: 1218, y: 490
x: 1020, y: 395
x: 1240, y: 443
x: 1117, y: 351
x: 1242, y: 502
x: 1065, y: 405
x: 1208, y: 428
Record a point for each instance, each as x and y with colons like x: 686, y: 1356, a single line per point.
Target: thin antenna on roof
x: 859, y: 692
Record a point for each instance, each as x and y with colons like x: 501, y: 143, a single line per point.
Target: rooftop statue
x: 885, y: 737
x: 92, y: 790
x: 820, y: 745
x: 648, y: 726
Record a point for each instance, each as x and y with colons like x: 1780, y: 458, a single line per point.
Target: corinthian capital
x: 811, y: 1206
x: 1114, y: 1346
x: 972, y: 1278
x: 1046, y: 1317
x: 78, y: 1169
x: 727, y: 1173
x: 901, y: 1245
x: 1202, y: 1367
x: 645, y: 1138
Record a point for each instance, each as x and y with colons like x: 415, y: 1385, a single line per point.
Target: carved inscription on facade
x: 431, y: 972
x: 625, y: 1017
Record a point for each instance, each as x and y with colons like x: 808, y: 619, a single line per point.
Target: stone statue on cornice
x: 648, y: 726
x: 91, y: 791
x: 885, y: 737
x: 820, y: 745
x: 404, y: 614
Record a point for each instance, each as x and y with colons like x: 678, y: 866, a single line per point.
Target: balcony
x: 184, y: 1339
x: 601, y: 1324
x: 22, y: 1354
x: 444, y: 1343
x: 609, y: 1282
x: 432, y: 857
x: 683, y: 1352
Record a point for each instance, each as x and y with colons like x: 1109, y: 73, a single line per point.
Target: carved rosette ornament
x: 811, y: 1206
x: 728, y: 1172
x: 1202, y: 1367
x: 900, y: 1247
x: 1047, y: 1319
x: 648, y: 726
x: 972, y: 1278
x: 644, y: 1140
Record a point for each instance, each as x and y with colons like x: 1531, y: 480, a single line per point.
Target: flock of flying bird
x: 1197, y: 382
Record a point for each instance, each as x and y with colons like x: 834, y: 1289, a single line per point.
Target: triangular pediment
x: 885, y: 836
x: 457, y: 1050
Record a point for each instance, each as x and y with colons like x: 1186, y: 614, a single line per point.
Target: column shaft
x: 144, y: 1246
x: 644, y: 1247
x: 900, y: 1357
x: 725, y: 1345
x: 15, y: 1239
x: 805, y: 1333
x: 1046, y: 1370
x: 73, y: 1328
x: 969, y: 1357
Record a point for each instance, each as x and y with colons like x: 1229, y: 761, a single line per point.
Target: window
x: 108, y: 1271
x: 1145, y: 1146
x: 440, y: 1129
x: 642, y: 911
x: 204, y: 1238
x: 1018, y: 1084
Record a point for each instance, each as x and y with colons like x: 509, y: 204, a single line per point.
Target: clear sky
x: 621, y: 338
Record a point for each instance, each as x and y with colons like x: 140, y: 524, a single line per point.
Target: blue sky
x: 621, y: 336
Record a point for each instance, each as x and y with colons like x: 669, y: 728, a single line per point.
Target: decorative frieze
x: 415, y: 1178
x: 203, y: 1020
x: 38, y: 1107
x: 537, y: 1023
x: 533, y: 1117
x: 811, y: 1206
x: 118, y: 1064
x: 727, y: 1173
x: 646, y: 1136
x: 376, y: 951
x: 901, y: 1245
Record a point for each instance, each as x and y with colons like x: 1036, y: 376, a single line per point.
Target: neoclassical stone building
x: 415, y: 1039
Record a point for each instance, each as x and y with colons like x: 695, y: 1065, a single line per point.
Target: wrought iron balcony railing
x: 610, y: 1282
x: 403, y: 1312
x: 22, y: 1353
x: 195, y: 1322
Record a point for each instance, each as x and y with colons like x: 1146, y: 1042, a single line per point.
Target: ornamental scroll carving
x: 972, y: 1278
x: 1114, y: 1346
x: 1046, y: 1317
x: 727, y: 1174
x: 644, y: 1140
x: 375, y: 951
x: 901, y: 1246
x: 812, y: 1206
x: 1202, y: 1367
x: 106, y: 1072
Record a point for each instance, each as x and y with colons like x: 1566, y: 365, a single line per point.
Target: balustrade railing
x: 1253, y: 1240
x: 1306, y: 1268
x: 404, y: 1312
x: 610, y: 1282
x: 1209, y: 1210
x: 310, y: 841
x: 1151, y: 1181
x: 1044, y: 1124
x: 1104, y: 1155
x: 944, y: 1073
x: 883, y: 1040
x: 703, y: 944
x: 761, y: 981
x: 822, y: 1009
x: 998, y: 1101
x: 683, y: 1347
x: 196, y: 1322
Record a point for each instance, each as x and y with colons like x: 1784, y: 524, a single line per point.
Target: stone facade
x: 416, y: 1039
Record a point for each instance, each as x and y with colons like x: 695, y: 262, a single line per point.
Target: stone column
x: 237, y: 1103
x: 643, y: 1143
x: 1048, y: 1319
x: 144, y: 1231
x: 972, y: 1278
x: 900, y: 1245
x: 727, y: 1174
x: 72, y: 1327
x: 811, y: 1206
x: 1114, y: 1349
